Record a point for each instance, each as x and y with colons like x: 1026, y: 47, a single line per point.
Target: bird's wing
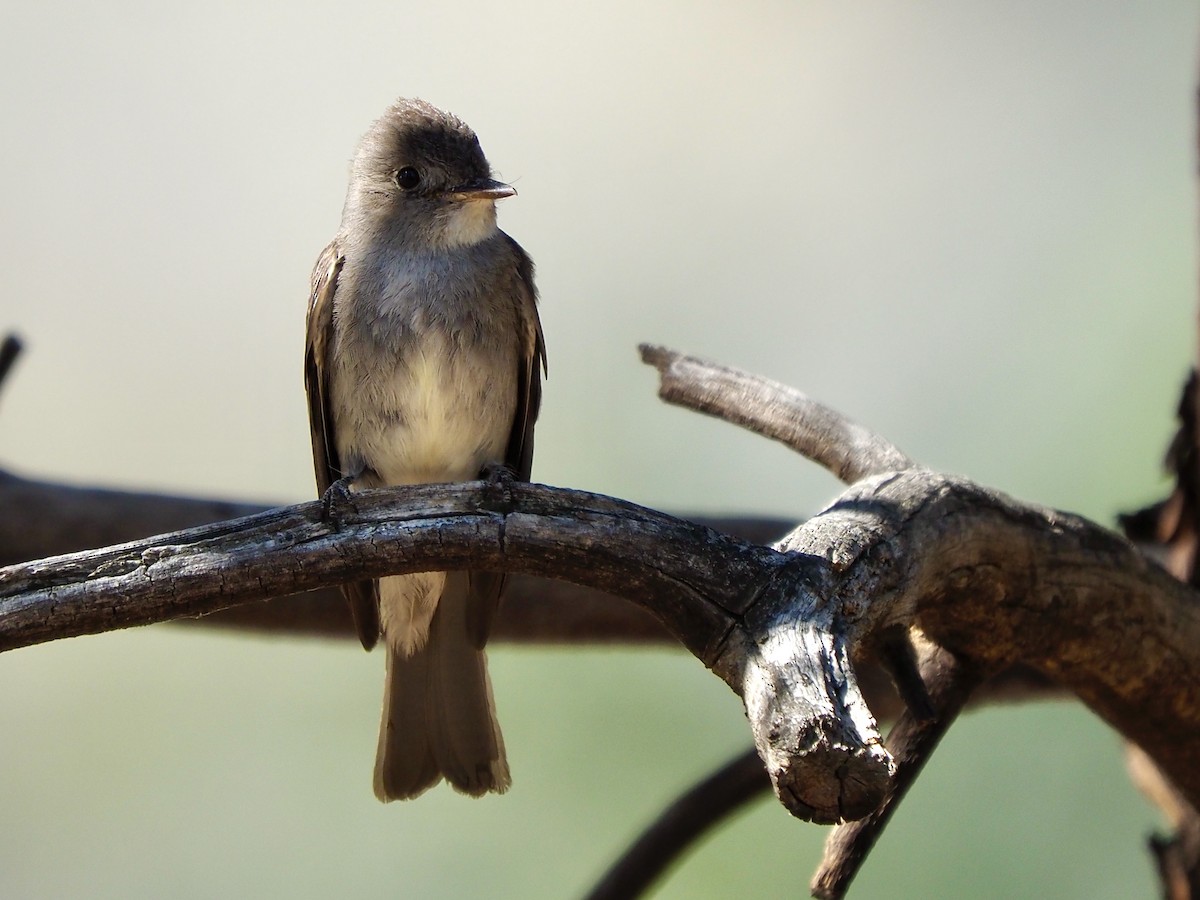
x: 361, y: 595
x: 485, y: 591
x: 531, y: 362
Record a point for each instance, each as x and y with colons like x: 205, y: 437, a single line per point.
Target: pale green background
x: 969, y: 225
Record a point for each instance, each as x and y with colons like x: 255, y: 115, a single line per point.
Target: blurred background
x: 970, y: 226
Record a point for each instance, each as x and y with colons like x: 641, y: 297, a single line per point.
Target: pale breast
x: 425, y: 361
x: 439, y: 411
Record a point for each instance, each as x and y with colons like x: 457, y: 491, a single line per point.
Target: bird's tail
x: 439, y: 718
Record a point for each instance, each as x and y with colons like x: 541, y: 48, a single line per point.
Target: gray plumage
x: 423, y: 364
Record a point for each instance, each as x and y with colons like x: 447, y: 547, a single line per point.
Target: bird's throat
x: 468, y: 222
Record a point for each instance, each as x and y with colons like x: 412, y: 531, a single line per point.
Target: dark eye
x: 408, y: 178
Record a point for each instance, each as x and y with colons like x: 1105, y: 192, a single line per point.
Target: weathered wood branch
x: 911, y: 742
x: 40, y: 519
x: 994, y: 581
x: 291, y: 549
x: 848, y: 450
x: 772, y: 409
x: 696, y: 581
x: 981, y: 574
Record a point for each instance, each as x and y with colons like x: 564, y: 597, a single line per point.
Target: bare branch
x: 774, y: 410
x: 993, y: 580
x: 40, y: 519
x: 291, y: 549
x: 911, y: 742
x: 681, y: 824
x: 10, y: 349
x: 743, y: 779
x: 1178, y: 854
x: 697, y: 582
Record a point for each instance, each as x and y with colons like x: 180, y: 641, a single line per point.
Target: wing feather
x: 484, y: 597
x: 362, y: 596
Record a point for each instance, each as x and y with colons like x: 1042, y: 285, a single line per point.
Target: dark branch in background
x: 911, y: 742
x: 1174, y: 524
x: 683, y: 822
x: 10, y: 349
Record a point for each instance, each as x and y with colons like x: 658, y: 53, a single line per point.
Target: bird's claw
x: 497, y: 475
x: 337, y: 497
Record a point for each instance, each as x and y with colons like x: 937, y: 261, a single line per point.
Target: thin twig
x: 912, y: 741
x: 10, y: 349
x: 1177, y: 854
x: 703, y: 806
x: 848, y: 450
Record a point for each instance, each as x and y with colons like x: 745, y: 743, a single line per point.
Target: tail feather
x: 439, y: 716
x: 404, y: 762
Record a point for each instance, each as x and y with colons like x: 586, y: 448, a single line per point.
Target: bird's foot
x: 497, y: 474
x: 336, y: 500
x: 498, y: 480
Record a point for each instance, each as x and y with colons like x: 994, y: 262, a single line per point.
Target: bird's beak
x: 481, y: 189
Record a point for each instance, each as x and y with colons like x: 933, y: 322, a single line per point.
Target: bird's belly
x: 439, y: 413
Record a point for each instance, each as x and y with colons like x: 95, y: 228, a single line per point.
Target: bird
x: 424, y: 360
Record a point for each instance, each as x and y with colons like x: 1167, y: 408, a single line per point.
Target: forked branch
x: 847, y: 449
x: 994, y: 581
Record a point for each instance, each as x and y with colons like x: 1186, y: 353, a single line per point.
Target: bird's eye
x: 408, y: 178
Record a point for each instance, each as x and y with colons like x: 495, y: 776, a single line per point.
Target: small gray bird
x: 424, y: 364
